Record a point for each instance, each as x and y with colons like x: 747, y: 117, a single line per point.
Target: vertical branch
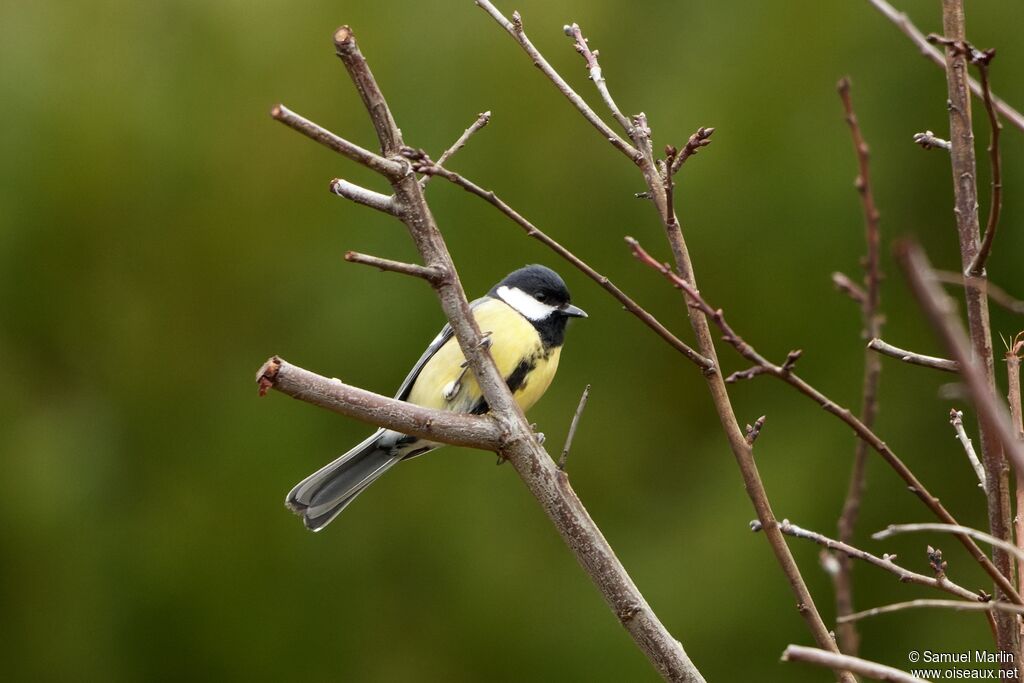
x: 1013, y: 359
x: 965, y: 188
x: 849, y: 638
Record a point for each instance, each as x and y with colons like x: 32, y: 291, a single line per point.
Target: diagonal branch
x: 456, y: 429
x: 895, y: 529
x: 885, y: 562
x: 903, y: 23
x: 955, y: 605
x: 996, y: 294
x: 424, y: 165
x: 844, y: 414
x: 482, y: 120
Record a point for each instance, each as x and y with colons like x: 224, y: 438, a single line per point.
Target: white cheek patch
x: 524, y: 303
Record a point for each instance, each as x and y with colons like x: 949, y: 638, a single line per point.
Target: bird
x: 523, y: 319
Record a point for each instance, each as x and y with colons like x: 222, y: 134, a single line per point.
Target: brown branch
x: 838, y: 662
x: 908, y: 29
x: 515, y: 29
x: 424, y: 165
x: 956, y: 418
x: 1013, y: 361
x: 386, y: 167
x: 433, y: 274
x: 849, y: 638
x: 912, y: 358
x: 701, y: 138
x: 941, y: 313
x: 965, y: 191
x: 982, y: 61
x: 518, y: 444
x: 361, y: 195
x: 927, y: 140
x: 655, y: 177
x: 436, y: 425
x: 956, y: 605
x: 996, y: 294
x: 830, y: 406
x: 594, y: 70
x: 572, y: 427
x: 885, y: 562
x: 850, y: 288
x: 753, y: 431
x: 895, y: 529
x: 482, y: 120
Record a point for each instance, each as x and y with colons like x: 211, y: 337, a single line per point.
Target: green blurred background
x: 160, y: 237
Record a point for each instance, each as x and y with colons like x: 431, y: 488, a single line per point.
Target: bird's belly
x: 518, y: 353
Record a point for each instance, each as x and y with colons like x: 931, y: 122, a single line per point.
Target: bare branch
x: 753, y: 431
x: 928, y: 140
x: 482, y: 120
x: 942, y: 314
x: 386, y: 167
x: 456, y: 429
x: 596, y: 75
x: 932, y: 362
x: 747, y: 351
x: 904, y: 24
x: 885, y: 562
x: 996, y: 294
x: 838, y: 662
x: 515, y: 29
x: 361, y: 195
x: 982, y: 61
x: 956, y: 605
x: 701, y: 138
x: 894, y: 529
x: 572, y: 427
x: 432, y: 274
x: 850, y: 288
x: 424, y: 165
x: 1013, y: 362
x: 956, y: 418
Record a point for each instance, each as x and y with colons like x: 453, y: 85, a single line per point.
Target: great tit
x: 523, y: 319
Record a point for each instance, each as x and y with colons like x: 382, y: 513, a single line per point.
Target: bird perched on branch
x: 523, y: 319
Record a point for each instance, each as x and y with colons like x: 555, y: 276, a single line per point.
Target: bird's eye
x: 540, y: 296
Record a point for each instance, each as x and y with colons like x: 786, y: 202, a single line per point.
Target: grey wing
x: 440, y: 340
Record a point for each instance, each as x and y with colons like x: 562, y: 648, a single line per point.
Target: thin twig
x: 928, y: 140
x: 894, y: 529
x: 361, y: 195
x: 850, y: 288
x: 871, y: 321
x: 701, y: 138
x: 428, y: 273
x: 838, y: 662
x: 884, y: 562
x: 956, y: 418
x: 753, y: 431
x: 982, y: 60
x: 515, y: 29
x: 830, y: 406
x: 572, y: 427
x: 1013, y: 362
x: 956, y: 605
x: 596, y: 75
x: 386, y: 167
x: 913, y: 358
x: 482, y: 120
x: 424, y: 165
x: 996, y: 294
x: 903, y: 23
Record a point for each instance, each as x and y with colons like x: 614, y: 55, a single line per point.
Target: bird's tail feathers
x: 321, y: 496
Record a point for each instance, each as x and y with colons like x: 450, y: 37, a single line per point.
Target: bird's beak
x: 571, y: 311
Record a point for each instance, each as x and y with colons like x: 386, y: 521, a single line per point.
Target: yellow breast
x: 514, y: 342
